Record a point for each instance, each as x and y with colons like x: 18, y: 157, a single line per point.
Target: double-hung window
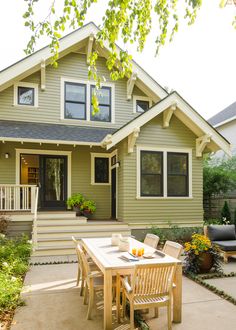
x: 164, y: 173
x: 177, y: 174
x: 104, y: 100
x: 151, y: 173
x: 75, y: 101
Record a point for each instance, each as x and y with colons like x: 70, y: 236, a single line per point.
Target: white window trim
x: 25, y: 84
x: 165, y: 151
x: 140, y: 98
x: 88, y: 84
x: 100, y: 155
x: 45, y: 152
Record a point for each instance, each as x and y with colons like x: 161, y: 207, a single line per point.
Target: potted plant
x: 201, y: 255
x: 75, y: 201
x: 88, y: 207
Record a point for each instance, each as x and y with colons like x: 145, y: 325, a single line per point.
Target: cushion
x: 226, y: 245
x: 221, y: 232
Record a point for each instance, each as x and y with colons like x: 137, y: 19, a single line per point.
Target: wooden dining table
x: 107, y: 258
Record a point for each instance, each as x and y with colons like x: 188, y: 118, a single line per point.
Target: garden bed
x: 14, y: 263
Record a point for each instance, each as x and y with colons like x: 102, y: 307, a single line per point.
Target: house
x: 139, y: 158
x: 225, y: 123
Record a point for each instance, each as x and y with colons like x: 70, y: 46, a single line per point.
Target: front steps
x: 54, y: 233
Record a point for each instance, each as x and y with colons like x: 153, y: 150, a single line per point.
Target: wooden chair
x: 173, y: 249
x: 151, y: 286
x: 80, y: 275
x: 94, y: 281
x: 152, y: 240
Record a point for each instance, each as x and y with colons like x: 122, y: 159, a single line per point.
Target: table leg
x: 108, y: 300
x: 118, y: 297
x: 177, y: 295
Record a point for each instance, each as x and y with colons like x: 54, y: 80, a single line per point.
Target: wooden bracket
x: 167, y: 115
x: 107, y: 140
x: 201, y: 143
x: 132, y: 139
x: 90, y: 46
x: 43, y: 75
x: 130, y: 85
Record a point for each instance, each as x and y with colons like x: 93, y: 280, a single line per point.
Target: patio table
x: 107, y: 258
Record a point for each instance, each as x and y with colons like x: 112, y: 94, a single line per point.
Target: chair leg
x: 169, y: 315
x: 78, y: 277
x: 85, y: 294
x: 123, y: 304
x: 118, y: 298
x: 131, y: 316
x: 91, y: 300
x: 82, y: 286
x: 156, y: 312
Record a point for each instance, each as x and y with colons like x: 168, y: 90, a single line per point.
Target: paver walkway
x: 53, y: 303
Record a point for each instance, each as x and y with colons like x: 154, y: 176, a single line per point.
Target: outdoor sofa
x: 224, y: 236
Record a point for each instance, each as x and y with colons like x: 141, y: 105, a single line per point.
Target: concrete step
x: 54, y: 251
x: 78, y: 227
x: 96, y: 233
x: 56, y: 215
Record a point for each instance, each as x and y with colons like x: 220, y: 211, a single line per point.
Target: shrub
x: 75, y: 200
x: 208, y: 222
x: 225, y: 214
x: 3, y: 223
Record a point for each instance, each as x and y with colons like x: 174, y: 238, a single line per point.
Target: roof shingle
x: 223, y: 115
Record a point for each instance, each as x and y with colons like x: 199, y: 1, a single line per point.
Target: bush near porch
x: 14, y: 263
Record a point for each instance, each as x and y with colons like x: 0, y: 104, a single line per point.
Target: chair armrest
x: 126, y: 284
x: 94, y: 274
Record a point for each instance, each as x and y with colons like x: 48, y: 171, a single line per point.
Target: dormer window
x: 104, y: 99
x: 26, y: 94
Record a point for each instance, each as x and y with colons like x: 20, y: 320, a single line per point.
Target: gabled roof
x: 69, y: 43
x: 224, y: 116
x: 184, y: 112
x: 51, y: 133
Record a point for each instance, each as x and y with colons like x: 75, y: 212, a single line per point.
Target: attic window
x: 141, y: 103
x: 142, y: 106
x: 26, y: 94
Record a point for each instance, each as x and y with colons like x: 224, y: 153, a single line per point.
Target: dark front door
x: 53, y: 182
x: 113, y: 193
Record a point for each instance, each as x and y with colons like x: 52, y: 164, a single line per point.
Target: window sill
x: 88, y: 122
x: 165, y: 198
x: 21, y: 106
x: 100, y: 184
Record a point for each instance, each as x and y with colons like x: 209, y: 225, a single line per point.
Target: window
x: 101, y: 170
x: 75, y: 101
x: 177, y: 174
x: 151, y: 173
x: 164, y: 173
x: 25, y: 95
x: 142, y: 106
x: 104, y: 99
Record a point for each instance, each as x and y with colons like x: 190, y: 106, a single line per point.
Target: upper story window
x: 163, y: 173
x: 26, y: 94
x: 141, y: 103
x: 104, y: 99
x: 75, y: 101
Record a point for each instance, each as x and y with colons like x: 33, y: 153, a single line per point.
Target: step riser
x: 61, y: 222
x: 54, y: 252
x: 84, y: 234
x: 77, y: 227
x: 51, y: 216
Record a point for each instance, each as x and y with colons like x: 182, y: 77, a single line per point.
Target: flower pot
x: 77, y: 210
x: 205, y: 262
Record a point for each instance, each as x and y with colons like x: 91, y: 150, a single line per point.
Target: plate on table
x: 148, y: 256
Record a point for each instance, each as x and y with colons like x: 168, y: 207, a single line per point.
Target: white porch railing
x: 17, y: 197
x: 34, y: 234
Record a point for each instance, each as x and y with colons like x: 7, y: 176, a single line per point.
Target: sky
x: 200, y: 63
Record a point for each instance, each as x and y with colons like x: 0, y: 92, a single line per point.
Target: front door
x: 53, y: 182
x: 113, y: 193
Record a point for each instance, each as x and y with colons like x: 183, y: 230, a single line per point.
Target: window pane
x: 151, y: 185
x: 75, y: 92
x: 151, y: 162
x: 103, y: 95
x: 26, y: 95
x: 101, y: 170
x: 102, y: 115
x: 142, y: 106
x: 177, y: 163
x: 75, y: 110
x: 177, y: 185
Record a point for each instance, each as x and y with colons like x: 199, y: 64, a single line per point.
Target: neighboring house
x: 225, y: 123
x: 139, y: 158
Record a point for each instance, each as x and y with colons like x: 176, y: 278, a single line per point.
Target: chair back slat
x: 85, y: 264
x: 152, y: 240
x: 153, y: 279
x: 173, y: 249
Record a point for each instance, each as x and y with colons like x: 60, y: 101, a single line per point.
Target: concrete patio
x: 53, y: 302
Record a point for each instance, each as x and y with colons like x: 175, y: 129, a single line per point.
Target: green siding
x: 71, y: 66
x: 80, y: 172
x: 160, y: 212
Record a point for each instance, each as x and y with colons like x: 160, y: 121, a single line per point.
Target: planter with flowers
x: 82, y: 207
x: 201, y: 255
